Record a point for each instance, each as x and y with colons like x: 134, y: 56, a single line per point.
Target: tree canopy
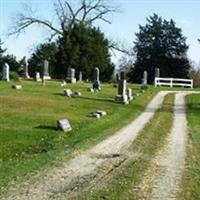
x: 160, y: 44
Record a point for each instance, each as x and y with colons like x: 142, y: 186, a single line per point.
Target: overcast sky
x: 186, y: 14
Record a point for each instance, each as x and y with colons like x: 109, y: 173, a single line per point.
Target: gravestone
x: 64, y: 125
x: 122, y: 96
x: 117, y: 78
x: 157, y: 73
x: 45, y: 75
x: 71, y: 75
x: 144, y: 81
x: 26, y: 74
x: 68, y: 92
x: 5, y: 73
x: 130, y: 94
x: 17, y: 87
x: 80, y: 77
x: 101, y: 112
x: 96, y: 81
x: 37, y: 77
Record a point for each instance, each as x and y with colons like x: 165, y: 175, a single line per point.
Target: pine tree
x: 160, y: 44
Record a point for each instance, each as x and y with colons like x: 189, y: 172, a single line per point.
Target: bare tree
x: 87, y: 12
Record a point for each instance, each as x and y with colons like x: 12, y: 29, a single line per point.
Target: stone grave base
x: 122, y: 99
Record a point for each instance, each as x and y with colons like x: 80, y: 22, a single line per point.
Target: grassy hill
x: 29, y: 140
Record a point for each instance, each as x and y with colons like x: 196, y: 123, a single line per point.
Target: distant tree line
x: 83, y: 46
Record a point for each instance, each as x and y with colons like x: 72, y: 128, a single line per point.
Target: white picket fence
x: 174, y: 82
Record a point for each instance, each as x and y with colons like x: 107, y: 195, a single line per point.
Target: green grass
x: 29, y: 141
x: 120, y: 184
x: 191, y: 180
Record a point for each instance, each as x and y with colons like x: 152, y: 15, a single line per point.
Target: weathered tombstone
x: 37, y: 77
x: 96, y: 81
x: 64, y: 125
x: 157, y: 72
x: 45, y: 75
x: 68, y: 92
x: 122, y: 96
x: 117, y: 78
x: 144, y: 81
x: 71, y: 75
x: 80, y: 77
x: 5, y: 74
x: 101, y: 112
x: 26, y: 74
x: 17, y: 87
x: 129, y: 94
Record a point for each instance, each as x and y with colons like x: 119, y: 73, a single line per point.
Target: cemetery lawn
x: 191, y: 180
x: 123, y: 182
x: 29, y: 140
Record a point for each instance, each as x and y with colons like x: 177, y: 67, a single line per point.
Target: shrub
x: 14, y: 76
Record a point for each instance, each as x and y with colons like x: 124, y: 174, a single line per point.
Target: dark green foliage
x: 13, y: 63
x: 160, y: 44
x: 14, y: 76
x: 10, y: 59
x: 43, y: 52
x: 84, y: 48
x: 1, y: 53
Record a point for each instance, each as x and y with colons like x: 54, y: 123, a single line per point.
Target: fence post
x: 171, y: 82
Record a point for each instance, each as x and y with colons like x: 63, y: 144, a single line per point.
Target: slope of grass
x: 121, y: 184
x: 191, y: 180
x: 29, y: 140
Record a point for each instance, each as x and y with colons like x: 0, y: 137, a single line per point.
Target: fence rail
x: 173, y: 82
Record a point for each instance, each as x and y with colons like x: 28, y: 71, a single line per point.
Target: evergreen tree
x: 45, y: 51
x: 2, y: 51
x: 160, y: 44
x: 84, y: 48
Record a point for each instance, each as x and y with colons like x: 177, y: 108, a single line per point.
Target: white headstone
x: 5, y: 74
x: 71, y: 75
x: 37, y: 77
x: 46, y: 70
x: 26, y: 75
x: 17, y: 87
x: 101, y: 112
x: 64, y: 125
x: 68, y: 92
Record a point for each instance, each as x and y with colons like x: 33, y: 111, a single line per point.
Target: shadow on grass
x: 44, y: 127
x: 59, y: 94
x: 99, y: 99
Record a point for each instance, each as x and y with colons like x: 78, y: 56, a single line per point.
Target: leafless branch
x: 87, y: 12
x: 23, y: 22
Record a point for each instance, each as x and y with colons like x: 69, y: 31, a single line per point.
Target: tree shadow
x: 44, y: 127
